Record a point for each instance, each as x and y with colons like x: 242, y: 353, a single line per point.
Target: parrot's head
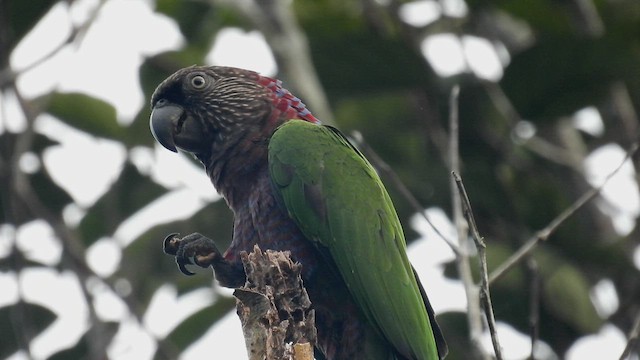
x: 204, y: 109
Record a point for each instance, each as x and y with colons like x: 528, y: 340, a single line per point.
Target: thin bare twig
x: 474, y: 317
x: 554, y: 153
x: 534, y: 305
x: 588, y: 18
x: 634, y: 334
x: 624, y: 110
x: 485, y: 295
x: 544, y: 234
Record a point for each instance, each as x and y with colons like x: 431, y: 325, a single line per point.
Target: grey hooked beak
x: 163, y: 123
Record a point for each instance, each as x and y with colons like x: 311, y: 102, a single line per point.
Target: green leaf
x: 86, y: 113
x: 565, y: 293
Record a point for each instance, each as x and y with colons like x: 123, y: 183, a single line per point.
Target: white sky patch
x: 81, y: 10
x: 37, y: 242
x: 238, y: 48
x: 9, y: 285
x: 621, y: 192
x: 420, y: 13
x: 29, y: 163
x: 524, y: 130
x: 103, y: 256
x: 132, y: 342
x: 439, y: 251
x: 482, y: 58
x: 609, y: 340
x: 515, y: 345
x: 48, y: 34
x: 589, y: 121
x: 173, y: 206
x: 454, y: 8
x: 166, y: 301
x: 173, y: 171
x: 428, y: 255
x: 449, y: 55
x: 605, y: 298
x: 3, y: 114
x: 72, y: 214
x: 39, y: 286
x: 445, y: 54
x: 226, y: 338
x: 503, y: 53
x: 7, y: 237
x: 108, y: 306
x: 105, y: 63
x: 12, y: 119
x: 636, y: 257
x: 83, y: 165
x: 20, y: 355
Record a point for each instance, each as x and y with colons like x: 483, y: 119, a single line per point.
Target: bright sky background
x: 117, y: 30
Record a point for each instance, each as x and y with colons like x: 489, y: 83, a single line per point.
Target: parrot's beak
x: 175, y: 128
x: 165, y: 118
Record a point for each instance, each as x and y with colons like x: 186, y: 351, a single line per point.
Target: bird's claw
x: 193, y: 249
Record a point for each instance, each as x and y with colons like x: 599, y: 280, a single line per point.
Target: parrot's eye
x: 198, y: 82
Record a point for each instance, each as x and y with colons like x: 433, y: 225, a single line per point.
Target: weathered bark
x: 274, y: 308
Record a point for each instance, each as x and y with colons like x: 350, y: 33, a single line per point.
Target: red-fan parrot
x: 296, y: 185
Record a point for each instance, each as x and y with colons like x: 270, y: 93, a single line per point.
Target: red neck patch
x: 290, y: 106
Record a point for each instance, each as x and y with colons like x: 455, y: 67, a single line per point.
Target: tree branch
x: 274, y: 308
x: 634, y: 334
x: 534, y: 304
x: 544, y: 234
x: 485, y: 296
x: 474, y: 318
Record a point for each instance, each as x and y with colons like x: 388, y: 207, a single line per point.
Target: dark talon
x: 171, y: 244
x: 182, y: 262
x: 193, y: 249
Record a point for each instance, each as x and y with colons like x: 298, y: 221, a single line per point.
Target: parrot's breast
x: 342, y: 329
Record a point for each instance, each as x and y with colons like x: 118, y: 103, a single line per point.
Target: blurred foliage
x: 563, y: 56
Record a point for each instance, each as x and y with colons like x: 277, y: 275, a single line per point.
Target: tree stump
x: 274, y: 308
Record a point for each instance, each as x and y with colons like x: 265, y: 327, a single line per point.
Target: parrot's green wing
x: 337, y: 199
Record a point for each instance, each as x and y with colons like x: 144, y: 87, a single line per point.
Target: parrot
x: 296, y: 185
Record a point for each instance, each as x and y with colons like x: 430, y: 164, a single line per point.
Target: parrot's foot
x: 193, y: 249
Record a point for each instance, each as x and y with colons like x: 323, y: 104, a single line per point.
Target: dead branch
x: 485, y: 296
x: 274, y: 308
x: 545, y: 233
x: 534, y: 304
x: 474, y: 317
